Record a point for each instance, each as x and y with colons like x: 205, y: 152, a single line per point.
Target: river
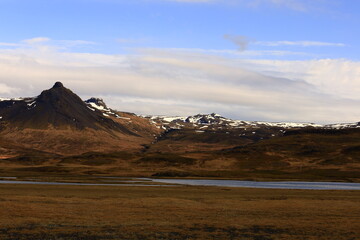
x: 152, y: 182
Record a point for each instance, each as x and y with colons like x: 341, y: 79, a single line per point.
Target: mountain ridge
x: 94, y: 104
x: 40, y: 135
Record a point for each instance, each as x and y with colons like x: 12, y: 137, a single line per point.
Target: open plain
x: 178, y: 212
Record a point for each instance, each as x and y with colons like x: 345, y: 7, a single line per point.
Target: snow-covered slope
x: 343, y: 125
x: 213, y: 120
x: 11, y: 99
x: 199, y: 121
x: 99, y: 104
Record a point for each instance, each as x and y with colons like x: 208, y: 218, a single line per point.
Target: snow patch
x: 11, y: 99
x: 32, y: 104
x: 94, y: 105
x: 123, y: 117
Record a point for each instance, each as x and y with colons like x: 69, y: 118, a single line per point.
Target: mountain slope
x: 58, y: 121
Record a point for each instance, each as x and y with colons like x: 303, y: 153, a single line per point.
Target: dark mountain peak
x: 58, y: 85
x: 57, y: 107
x: 58, y: 93
x: 60, y: 99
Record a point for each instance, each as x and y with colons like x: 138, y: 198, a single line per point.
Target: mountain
x: 57, y: 107
x: 216, y: 121
x: 58, y: 121
x: 59, y: 133
x: 213, y: 131
x: 214, y: 146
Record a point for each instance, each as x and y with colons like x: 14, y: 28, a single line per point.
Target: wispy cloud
x: 192, y: 1
x: 44, y: 42
x: 229, y: 52
x: 37, y: 40
x: 132, y: 40
x: 296, y: 5
x: 9, y: 44
x: 184, y: 82
x: 243, y: 42
x: 300, y: 44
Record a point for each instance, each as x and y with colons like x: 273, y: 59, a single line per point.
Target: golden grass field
x: 112, y: 212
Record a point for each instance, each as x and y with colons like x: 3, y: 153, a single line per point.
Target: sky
x: 264, y: 60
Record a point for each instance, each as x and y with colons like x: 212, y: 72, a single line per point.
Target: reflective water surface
x: 125, y: 183
x: 152, y: 182
x: 255, y: 184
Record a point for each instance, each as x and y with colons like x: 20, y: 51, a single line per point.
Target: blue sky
x: 302, y: 54
x: 186, y: 24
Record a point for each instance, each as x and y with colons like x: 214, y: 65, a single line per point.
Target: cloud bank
x: 184, y: 82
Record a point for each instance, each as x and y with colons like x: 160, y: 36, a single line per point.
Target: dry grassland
x: 111, y: 212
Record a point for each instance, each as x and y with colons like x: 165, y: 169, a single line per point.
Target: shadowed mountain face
x: 57, y: 107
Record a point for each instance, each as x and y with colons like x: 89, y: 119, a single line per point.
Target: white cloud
x: 337, y: 77
x: 183, y: 82
x: 37, y: 40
